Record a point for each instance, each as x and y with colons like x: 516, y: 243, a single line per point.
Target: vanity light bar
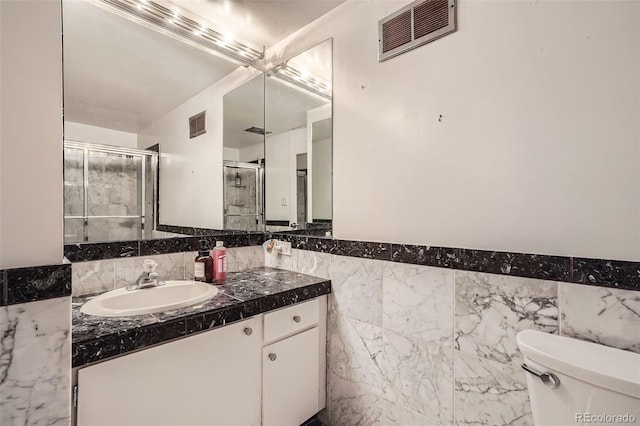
x: 173, y: 22
x: 315, y: 85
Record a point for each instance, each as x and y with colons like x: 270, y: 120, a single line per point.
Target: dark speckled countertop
x: 245, y: 294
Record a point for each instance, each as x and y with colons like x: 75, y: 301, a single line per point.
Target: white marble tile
x: 396, y: 415
x: 603, y: 315
x: 189, y: 264
x: 489, y: 393
x: 354, y: 351
x: 352, y: 403
x: 241, y: 258
x: 170, y: 267
x: 92, y: 277
x: 312, y: 263
x: 418, y: 375
x: 492, y: 309
x: 356, y: 286
x: 280, y: 261
x: 35, y: 363
x: 417, y: 300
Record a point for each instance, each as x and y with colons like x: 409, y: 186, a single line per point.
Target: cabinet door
x: 290, y: 380
x: 207, y: 379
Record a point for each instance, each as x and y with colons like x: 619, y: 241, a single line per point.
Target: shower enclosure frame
x: 259, y: 172
x: 86, y: 147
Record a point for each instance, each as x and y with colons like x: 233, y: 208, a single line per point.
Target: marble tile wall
x: 102, y: 275
x: 419, y: 345
x: 35, y: 374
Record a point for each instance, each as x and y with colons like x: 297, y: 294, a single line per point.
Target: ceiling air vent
x: 257, y: 130
x: 414, y: 25
x: 197, y: 124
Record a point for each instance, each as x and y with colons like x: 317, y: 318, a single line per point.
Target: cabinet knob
x: 248, y: 331
x: 297, y: 318
x: 272, y: 357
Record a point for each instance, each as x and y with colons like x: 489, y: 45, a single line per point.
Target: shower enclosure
x: 110, y: 192
x: 243, y: 189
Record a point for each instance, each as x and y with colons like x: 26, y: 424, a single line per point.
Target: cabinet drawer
x: 290, y: 320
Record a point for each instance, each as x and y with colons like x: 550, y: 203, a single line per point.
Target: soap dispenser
x: 219, y: 263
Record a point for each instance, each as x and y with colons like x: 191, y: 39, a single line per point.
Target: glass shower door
x: 242, y: 196
x: 114, y: 196
x: 109, y: 192
x: 74, y: 229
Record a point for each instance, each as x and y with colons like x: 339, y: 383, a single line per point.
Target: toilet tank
x: 598, y: 384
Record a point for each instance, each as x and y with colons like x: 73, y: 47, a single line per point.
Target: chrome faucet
x: 148, y: 278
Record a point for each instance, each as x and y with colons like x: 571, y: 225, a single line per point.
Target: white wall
x: 252, y: 153
x: 277, y: 176
x: 538, y: 146
x: 191, y: 169
x: 92, y: 134
x: 321, y: 192
x: 280, y: 173
x: 230, y: 154
x: 30, y: 134
x: 298, y: 146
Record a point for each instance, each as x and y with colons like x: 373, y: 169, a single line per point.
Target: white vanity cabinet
x: 269, y: 369
x: 206, y: 379
x: 290, y: 380
x: 293, y: 366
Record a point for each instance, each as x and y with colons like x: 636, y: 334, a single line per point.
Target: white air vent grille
x: 414, y: 25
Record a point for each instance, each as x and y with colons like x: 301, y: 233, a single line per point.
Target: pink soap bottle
x: 219, y: 254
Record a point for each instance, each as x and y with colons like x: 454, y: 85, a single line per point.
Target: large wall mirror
x: 298, y: 143
x: 244, y: 156
x: 164, y: 137
x: 133, y: 158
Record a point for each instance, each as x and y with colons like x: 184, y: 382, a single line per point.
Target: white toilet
x: 571, y: 381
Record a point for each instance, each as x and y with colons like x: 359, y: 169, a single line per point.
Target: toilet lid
x: 600, y: 365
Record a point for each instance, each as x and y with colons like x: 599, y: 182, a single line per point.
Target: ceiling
x: 124, y: 76
x: 286, y: 109
x: 259, y: 22
x: 109, y: 79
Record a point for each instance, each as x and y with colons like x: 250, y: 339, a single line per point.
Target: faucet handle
x: 149, y: 265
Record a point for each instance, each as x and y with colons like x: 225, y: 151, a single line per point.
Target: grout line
x: 559, y: 310
x: 571, y: 269
x: 113, y: 272
x: 5, y: 288
x: 453, y: 348
x: 184, y: 266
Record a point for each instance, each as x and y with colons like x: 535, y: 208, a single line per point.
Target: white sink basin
x: 172, y: 295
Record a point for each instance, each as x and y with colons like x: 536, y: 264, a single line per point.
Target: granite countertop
x: 244, y: 294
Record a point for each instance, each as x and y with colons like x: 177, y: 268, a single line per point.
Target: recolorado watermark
x: 605, y: 418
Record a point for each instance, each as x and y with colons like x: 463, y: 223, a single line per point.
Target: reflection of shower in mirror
x: 243, y: 196
x: 110, y: 193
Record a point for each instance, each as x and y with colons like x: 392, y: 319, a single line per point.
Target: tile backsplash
x: 102, y: 275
